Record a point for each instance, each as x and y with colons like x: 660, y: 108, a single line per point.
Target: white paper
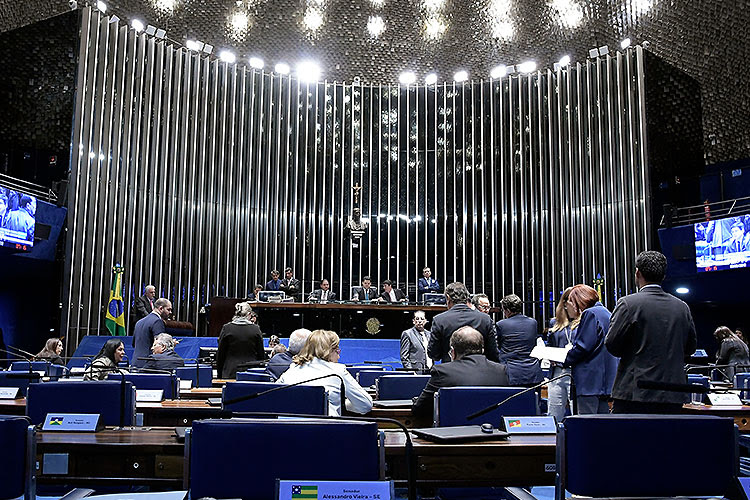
x: 557, y: 354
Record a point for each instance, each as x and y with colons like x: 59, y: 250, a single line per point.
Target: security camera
x: 73, y: 4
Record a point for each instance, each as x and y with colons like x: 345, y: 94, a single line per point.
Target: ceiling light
x: 160, y: 33
x: 434, y: 27
x: 164, y: 4
x: 256, y: 62
x: 375, y: 26
x: 431, y: 79
x: 150, y: 30
x: 682, y: 290
x: 407, y: 78
x: 432, y: 4
x: 603, y: 50
x: 625, y: 44
x: 499, y: 71
x: 308, y: 71
x: 593, y: 53
x: 527, y: 67
x: 460, y: 76
x: 281, y: 68
x: 570, y: 12
x: 227, y: 56
x: 137, y: 25
x: 101, y: 6
x: 377, y: 3
x: 503, y: 29
x: 313, y: 19
x: 194, y: 45
x: 114, y: 19
x: 239, y: 21
x: 564, y: 61
x: 208, y: 48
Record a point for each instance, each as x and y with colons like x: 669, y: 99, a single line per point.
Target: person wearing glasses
x: 481, y: 302
x: 319, y: 357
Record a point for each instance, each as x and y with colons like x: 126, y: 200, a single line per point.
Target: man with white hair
x: 280, y: 362
x: 163, y: 356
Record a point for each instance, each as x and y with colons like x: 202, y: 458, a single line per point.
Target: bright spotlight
x: 527, y: 67
x: 625, y: 44
x: 308, y: 71
x: 407, y: 78
x: 239, y: 21
x: 227, y: 56
x: 194, y: 45
x: 499, y: 71
x: 564, y: 61
x: 460, y: 76
x: 256, y: 62
x: 101, y: 6
x: 375, y: 26
x: 682, y: 290
x: 281, y: 68
x: 137, y: 25
x: 431, y: 79
x: 313, y: 19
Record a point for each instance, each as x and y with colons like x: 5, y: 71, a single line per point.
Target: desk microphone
x: 528, y: 389
x: 657, y: 385
x: 31, y: 375
x: 25, y: 353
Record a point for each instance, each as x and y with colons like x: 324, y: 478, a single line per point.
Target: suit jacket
x: 317, y: 294
x: 291, y: 287
x: 653, y: 333
x: 399, y: 295
x: 141, y: 309
x: 593, y: 367
x: 733, y: 351
x: 143, y: 337
x: 238, y: 343
x: 516, y: 337
x: 278, y: 364
x: 424, y: 287
x: 413, y: 353
x: 474, y: 369
x: 168, y: 360
x: 273, y: 285
x: 372, y: 294
x: 445, y: 323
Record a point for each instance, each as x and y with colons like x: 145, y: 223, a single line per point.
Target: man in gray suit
x: 414, y: 344
x: 653, y: 334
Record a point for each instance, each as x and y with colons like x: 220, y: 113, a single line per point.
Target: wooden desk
x: 740, y: 414
x: 201, y: 393
x: 152, y: 456
x: 13, y: 406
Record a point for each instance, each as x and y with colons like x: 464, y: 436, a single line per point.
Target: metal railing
x: 682, y: 216
x: 37, y: 190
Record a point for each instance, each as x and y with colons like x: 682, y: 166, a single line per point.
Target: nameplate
x: 530, y: 425
x: 72, y: 422
x: 334, y: 490
x: 728, y: 399
x: 186, y: 384
x: 9, y: 392
x: 149, y: 395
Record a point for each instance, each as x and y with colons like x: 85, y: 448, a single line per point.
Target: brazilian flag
x: 115, y: 319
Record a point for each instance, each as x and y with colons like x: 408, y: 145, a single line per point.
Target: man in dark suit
x: 322, y: 294
x: 143, y: 305
x: 653, y: 334
x: 391, y: 294
x: 516, y: 337
x: 290, y: 285
x: 280, y: 362
x: 459, y: 314
x: 275, y: 283
x: 255, y: 294
x: 163, y: 356
x: 147, y: 329
x: 469, y: 367
x: 365, y: 293
x: 427, y: 284
x: 414, y: 344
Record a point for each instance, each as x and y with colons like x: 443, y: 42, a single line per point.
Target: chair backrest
x: 354, y: 370
x: 646, y: 456
x: 367, y: 378
x: 308, y: 399
x: 454, y: 404
x: 256, y: 452
x: 113, y: 400
x: 743, y: 380
x: 253, y: 377
x: 694, y: 378
x: 17, y: 445
x: 201, y: 375
x: 20, y: 379
x: 49, y: 370
x: 354, y: 291
x: 163, y: 381
x: 401, y: 386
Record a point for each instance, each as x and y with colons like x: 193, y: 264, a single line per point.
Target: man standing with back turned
x: 653, y: 333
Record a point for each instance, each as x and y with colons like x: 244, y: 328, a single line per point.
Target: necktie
x: 367, y: 295
x: 151, y: 301
x: 425, y: 342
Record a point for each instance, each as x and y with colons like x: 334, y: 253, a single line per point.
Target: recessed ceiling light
x: 239, y: 21
x: 375, y: 26
x: 682, y: 290
x: 499, y: 71
x: 431, y: 79
x: 407, y: 78
x: 227, y: 56
x: 281, y: 68
x: 527, y: 67
x: 313, y: 19
x: 256, y: 62
x: 137, y: 25
x: 460, y: 76
x: 308, y: 71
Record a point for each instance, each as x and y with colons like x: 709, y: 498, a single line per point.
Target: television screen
x: 17, y: 219
x: 722, y: 243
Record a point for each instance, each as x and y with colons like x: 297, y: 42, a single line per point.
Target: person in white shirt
x: 414, y: 344
x: 319, y: 357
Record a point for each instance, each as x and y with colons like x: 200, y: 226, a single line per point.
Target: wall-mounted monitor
x: 722, y: 244
x: 17, y: 219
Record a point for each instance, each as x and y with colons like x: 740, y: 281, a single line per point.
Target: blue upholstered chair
x: 242, y: 458
x: 307, y: 399
x: 400, y: 386
x: 742, y: 380
x: 152, y: 381
x: 354, y: 370
x: 693, y: 378
x: 454, y: 404
x: 658, y: 452
x: 16, y: 473
x: 49, y: 370
x: 249, y: 376
x: 202, y: 375
x: 20, y: 379
x: 113, y: 400
x: 367, y: 378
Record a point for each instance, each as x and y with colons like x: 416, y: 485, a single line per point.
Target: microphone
x: 26, y: 353
x: 528, y: 389
x: 31, y: 375
x: 657, y: 385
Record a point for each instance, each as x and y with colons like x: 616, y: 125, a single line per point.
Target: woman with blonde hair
x: 560, y: 334
x: 320, y: 356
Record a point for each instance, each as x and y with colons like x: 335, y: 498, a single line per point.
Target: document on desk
x: 557, y: 354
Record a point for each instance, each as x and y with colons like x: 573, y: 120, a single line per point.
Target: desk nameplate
x: 10, y: 393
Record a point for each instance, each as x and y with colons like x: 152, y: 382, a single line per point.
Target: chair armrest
x: 77, y: 493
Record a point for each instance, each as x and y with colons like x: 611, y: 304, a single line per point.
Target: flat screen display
x: 17, y: 219
x: 722, y: 244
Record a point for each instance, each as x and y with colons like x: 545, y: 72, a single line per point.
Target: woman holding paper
x: 560, y: 333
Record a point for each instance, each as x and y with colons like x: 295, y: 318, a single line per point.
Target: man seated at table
x: 280, y: 362
x: 322, y: 294
x: 469, y: 367
x: 391, y: 294
x: 163, y: 356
